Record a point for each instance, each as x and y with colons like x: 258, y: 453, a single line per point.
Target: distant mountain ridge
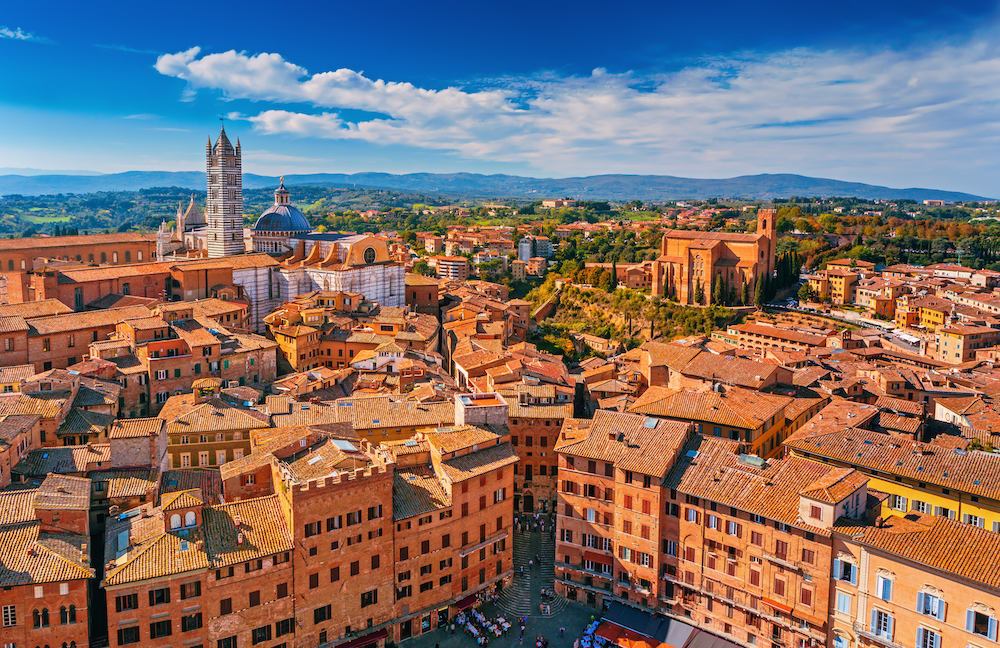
x: 600, y: 187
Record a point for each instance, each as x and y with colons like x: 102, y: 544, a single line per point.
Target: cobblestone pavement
x: 522, y: 597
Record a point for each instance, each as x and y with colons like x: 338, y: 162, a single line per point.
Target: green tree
x: 718, y: 291
x: 614, y: 276
x: 745, y: 294
x: 805, y: 292
x: 699, y: 294
x: 758, y: 293
x: 421, y: 267
x: 604, y: 282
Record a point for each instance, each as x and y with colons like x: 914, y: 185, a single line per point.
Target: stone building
x: 691, y: 258
x: 224, y: 206
x: 45, y: 553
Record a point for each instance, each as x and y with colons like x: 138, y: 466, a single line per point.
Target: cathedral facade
x: 689, y: 259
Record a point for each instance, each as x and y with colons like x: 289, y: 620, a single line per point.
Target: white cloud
x: 142, y: 116
x: 19, y: 34
x: 910, y: 117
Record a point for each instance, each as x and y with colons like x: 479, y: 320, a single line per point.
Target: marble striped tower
x: 224, y: 207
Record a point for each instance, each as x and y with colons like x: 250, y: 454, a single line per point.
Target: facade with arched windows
x: 26, y: 254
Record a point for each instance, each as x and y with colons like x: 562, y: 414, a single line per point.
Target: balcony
x: 864, y: 631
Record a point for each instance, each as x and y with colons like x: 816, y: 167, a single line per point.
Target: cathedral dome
x: 282, y: 216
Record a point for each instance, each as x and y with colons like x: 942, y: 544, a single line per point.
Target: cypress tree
x: 718, y: 291
x: 758, y: 293
x: 699, y: 294
x: 745, y: 294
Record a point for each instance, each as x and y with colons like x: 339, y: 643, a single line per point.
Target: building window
x: 260, y: 635
x: 845, y: 571
x: 883, y: 588
x: 978, y: 623
x: 128, y: 636
x: 930, y: 605
x: 9, y: 616
x: 191, y: 622
x: 159, y: 629
x: 369, y: 598
x: 881, y: 624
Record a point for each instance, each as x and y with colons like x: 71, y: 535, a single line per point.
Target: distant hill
x: 602, y: 187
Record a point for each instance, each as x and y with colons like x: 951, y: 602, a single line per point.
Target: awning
x: 597, y: 558
x: 609, y: 631
x: 466, y: 603
x: 366, y: 640
x: 781, y: 607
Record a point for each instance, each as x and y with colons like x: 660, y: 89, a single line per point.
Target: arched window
x: 72, y: 614
x: 175, y: 521
x: 24, y: 264
x: 45, y: 617
x: 90, y: 257
x: 189, y: 520
x: 114, y: 257
x: 79, y: 257
x: 36, y: 619
x: 128, y: 256
x: 63, y: 615
x: 104, y: 257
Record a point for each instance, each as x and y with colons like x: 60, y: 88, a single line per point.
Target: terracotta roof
x: 935, y: 542
x: 80, y: 421
x: 83, y: 320
x: 206, y: 480
x: 377, y: 412
x: 16, y: 373
x: 63, y: 492
x: 642, y: 444
x: 416, y: 491
x: 190, y: 498
x: 712, y: 469
x: 14, y: 425
x: 33, y: 309
x: 121, y: 484
x: 914, y: 408
x: 731, y: 370
x: 61, y: 241
x: 13, y: 324
x: 30, y: 556
x: 835, y: 485
x: 781, y: 334
x: 184, y: 416
x: 477, y: 463
x: 154, y: 552
x: 977, y: 473
x: 63, y: 459
x: 671, y: 355
x: 47, y: 405
x: 137, y: 427
x: 736, y: 407
x: 447, y: 439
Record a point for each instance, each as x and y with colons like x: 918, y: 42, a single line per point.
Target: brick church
x: 689, y: 258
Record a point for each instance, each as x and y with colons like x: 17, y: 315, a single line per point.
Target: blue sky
x: 896, y: 93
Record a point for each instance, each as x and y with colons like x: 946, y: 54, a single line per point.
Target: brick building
x: 536, y: 415
x: 45, y: 553
x: 184, y: 571
x: 656, y: 516
x: 422, y: 294
x: 18, y: 255
x: 60, y: 341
